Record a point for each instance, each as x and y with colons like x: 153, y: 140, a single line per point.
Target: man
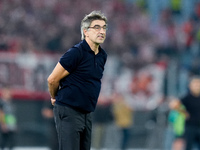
x: 75, y: 83
x: 191, y: 102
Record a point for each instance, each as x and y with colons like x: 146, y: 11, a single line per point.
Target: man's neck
x: 195, y: 94
x: 94, y: 47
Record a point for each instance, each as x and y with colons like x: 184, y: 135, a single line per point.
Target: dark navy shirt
x: 81, y: 88
x: 192, y: 105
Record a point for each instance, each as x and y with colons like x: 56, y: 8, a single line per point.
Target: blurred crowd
x: 53, y: 26
x: 152, y: 47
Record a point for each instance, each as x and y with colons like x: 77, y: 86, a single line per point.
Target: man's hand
x: 54, y: 80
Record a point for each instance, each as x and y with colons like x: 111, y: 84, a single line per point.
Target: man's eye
x: 97, y: 27
x: 104, y: 27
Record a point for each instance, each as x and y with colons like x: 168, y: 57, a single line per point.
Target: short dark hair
x: 87, y: 20
x: 194, y: 77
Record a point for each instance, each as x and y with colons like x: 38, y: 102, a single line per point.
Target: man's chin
x: 100, y: 41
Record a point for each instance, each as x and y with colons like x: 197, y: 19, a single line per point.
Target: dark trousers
x: 125, y: 138
x: 7, y: 139
x: 73, y: 128
x: 192, y: 137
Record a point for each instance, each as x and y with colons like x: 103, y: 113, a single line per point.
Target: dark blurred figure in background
x: 7, y: 120
x: 47, y: 113
x: 191, y: 102
x: 102, y: 117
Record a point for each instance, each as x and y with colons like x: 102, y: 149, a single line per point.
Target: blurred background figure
x: 123, y: 115
x: 102, y: 117
x: 7, y: 120
x: 191, y: 102
x: 175, y: 130
x: 47, y: 113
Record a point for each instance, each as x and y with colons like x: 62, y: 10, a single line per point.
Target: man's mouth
x: 102, y: 37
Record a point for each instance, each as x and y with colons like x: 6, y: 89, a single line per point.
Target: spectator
x: 47, y: 113
x: 7, y: 120
x: 191, y: 102
x: 123, y: 115
x: 175, y: 130
x: 101, y: 118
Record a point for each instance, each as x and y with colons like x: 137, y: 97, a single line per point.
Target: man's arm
x: 54, y: 79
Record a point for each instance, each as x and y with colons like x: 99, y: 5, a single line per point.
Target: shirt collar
x: 87, y: 47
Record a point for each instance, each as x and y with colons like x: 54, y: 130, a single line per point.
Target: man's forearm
x: 54, y: 79
x: 53, y: 88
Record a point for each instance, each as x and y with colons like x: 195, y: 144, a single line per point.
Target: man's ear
x: 85, y: 31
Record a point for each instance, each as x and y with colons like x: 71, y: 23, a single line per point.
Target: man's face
x: 6, y: 94
x: 96, y: 33
x: 195, y: 86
